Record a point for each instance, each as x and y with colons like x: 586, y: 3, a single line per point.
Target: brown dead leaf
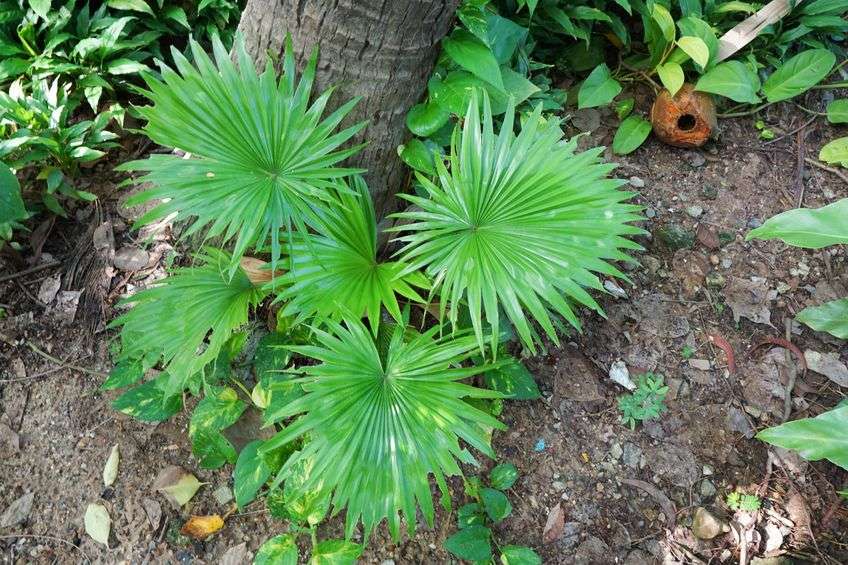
x: 707, y: 236
x: 555, y: 525
x: 750, y: 299
x: 201, y: 527
x: 177, y: 484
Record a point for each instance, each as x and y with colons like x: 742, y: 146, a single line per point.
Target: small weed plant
x: 739, y: 501
x: 645, y: 403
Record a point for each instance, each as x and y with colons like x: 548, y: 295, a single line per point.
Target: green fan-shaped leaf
x: 822, y: 437
x: 262, y: 157
x: 175, y: 317
x: 379, y: 424
x: 516, y: 223
x: 810, y: 228
x: 336, y: 271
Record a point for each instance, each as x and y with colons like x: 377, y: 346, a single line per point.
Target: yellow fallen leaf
x: 201, y: 527
x: 110, y: 470
x: 98, y: 523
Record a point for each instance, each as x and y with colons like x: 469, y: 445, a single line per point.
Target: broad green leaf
x: 426, y: 119
x: 125, y: 67
x: 250, y: 474
x: 219, y: 409
x: 519, y: 555
x: 125, y: 373
x: 272, y: 355
x: 512, y: 379
x: 598, y: 89
x: 830, y: 317
x: 823, y: 7
x: 97, y: 523
x: 822, y: 437
x: 692, y: 26
x: 810, y: 228
x: 503, y: 476
x: 837, y: 111
x: 177, y: 13
x: 799, y: 74
x: 587, y: 13
x: 734, y: 6
x: 695, y: 48
x: 496, y: 504
x: 417, y: 155
x: 474, y: 56
x: 472, y: 543
x: 130, y: 5
x: 278, y: 550
x: 504, y: 36
x: 40, y: 7
x: 516, y: 85
x: 662, y: 17
x: 672, y: 77
x: 11, y: 204
x: 147, y: 401
x: 473, y: 17
x: 335, y: 552
x: 631, y: 134
x: 308, y: 507
x: 624, y: 107
x: 470, y: 515
x: 835, y: 152
x: 733, y: 80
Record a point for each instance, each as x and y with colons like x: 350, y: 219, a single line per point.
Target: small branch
x: 746, y: 112
x: 63, y: 364
x: 793, y: 132
x: 818, y: 165
x: 30, y: 271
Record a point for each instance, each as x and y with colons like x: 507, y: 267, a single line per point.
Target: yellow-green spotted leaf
x: 279, y: 550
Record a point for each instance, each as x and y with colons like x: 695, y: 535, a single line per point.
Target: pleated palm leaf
x: 262, y: 156
x: 336, y: 270
x: 518, y: 222
x: 187, y: 317
x: 377, y: 426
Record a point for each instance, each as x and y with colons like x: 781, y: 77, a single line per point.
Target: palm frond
x: 519, y: 222
x: 378, y: 428
x: 336, y: 271
x: 262, y: 157
x: 175, y: 318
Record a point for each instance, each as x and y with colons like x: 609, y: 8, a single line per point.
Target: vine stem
x: 64, y: 364
x: 746, y: 112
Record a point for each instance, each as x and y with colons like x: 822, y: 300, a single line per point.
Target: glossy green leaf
x: 822, y: 437
x: 672, y: 77
x: 130, y: 5
x: 731, y: 79
x: 147, y: 402
x: 418, y: 156
x: 305, y: 498
x: 272, y: 355
x: 811, y: 228
x: 835, y: 151
x: 496, y: 504
x: 335, y: 552
x: 630, y: 135
x: 219, y: 409
x: 624, y: 107
x: 11, y: 204
x: 598, y: 89
x: 696, y: 49
x: 250, y: 474
x: 504, y: 36
x: 426, y: 119
x: 40, y: 7
x: 662, y: 17
x: 503, y: 476
x: 470, y: 515
x: 692, y: 26
x: 279, y: 550
x: 472, y: 543
x: 837, y: 111
x: 512, y: 379
x: 125, y: 373
x: 798, y: 74
x: 519, y: 555
x: 830, y: 317
x: 474, y: 56
x: 125, y: 67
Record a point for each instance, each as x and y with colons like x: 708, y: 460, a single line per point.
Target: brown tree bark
x: 382, y: 50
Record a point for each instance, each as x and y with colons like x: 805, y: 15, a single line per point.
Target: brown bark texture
x: 382, y: 50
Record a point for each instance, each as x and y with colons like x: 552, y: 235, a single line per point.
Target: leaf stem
x: 746, y: 112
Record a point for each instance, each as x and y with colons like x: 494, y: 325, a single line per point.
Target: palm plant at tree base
x: 510, y: 232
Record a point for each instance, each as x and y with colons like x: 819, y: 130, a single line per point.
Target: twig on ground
x: 29, y: 271
x: 52, y: 538
x: 64, y: 364
x: 823, y: 167
x: 794, y: 131
x: 793, y: 372
x: 664, y: 502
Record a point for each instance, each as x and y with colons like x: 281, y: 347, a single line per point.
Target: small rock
x: 554, y: 525
x: 49, y: 288
x: 592, y: 550
x: 619, y: 374
x: 708, y: 471
x: 223, y: 494
x: 235, y: 555
x: 18, y: 511
x: 715, y: 279
x: 652, y: 264
x: 675, y: 237
x: 774, y: 539
x: 754, y: 223
x: 708, y: 192
x: 636, y: 182
x: 706, y: 525
x: 829, y: 365
x: 631, y: 455
x: 694, y: 211
x: 615, y: 451
x: 570, y: 535
x: 153, y: 510
x: 695, y: 159
x: 559, y: 486
x: 678, y: 326
x: 708, y: 489
x: 614, y: 289
x: 587, y: 119
x: 130, y: 259
x: 700, y: 364
x: 650, y: 213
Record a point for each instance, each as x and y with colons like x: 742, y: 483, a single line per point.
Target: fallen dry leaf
x: 829, y: 365
x: 201, y: 527
x: 110, y: 469
x: 555, y: 525
x: 177, y: 484
x: 98, y: 523
x: 750, y: 299
x: 707, y: 236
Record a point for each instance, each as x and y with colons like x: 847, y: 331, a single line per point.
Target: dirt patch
x: 698, y: 278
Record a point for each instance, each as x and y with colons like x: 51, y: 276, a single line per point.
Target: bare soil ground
x: 625, y: 496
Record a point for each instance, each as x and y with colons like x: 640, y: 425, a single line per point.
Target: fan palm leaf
x: 188, y: 317
x: 518, y: 223
x: 336, y: 270
x: 262, y: 156
x: 379, y: 425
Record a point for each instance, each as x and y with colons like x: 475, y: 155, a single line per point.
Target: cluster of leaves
x: 645, y: 403
x: 508, y: 235
x: 473, y: 541
x: 739, y: 501
x: 824, y: 436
